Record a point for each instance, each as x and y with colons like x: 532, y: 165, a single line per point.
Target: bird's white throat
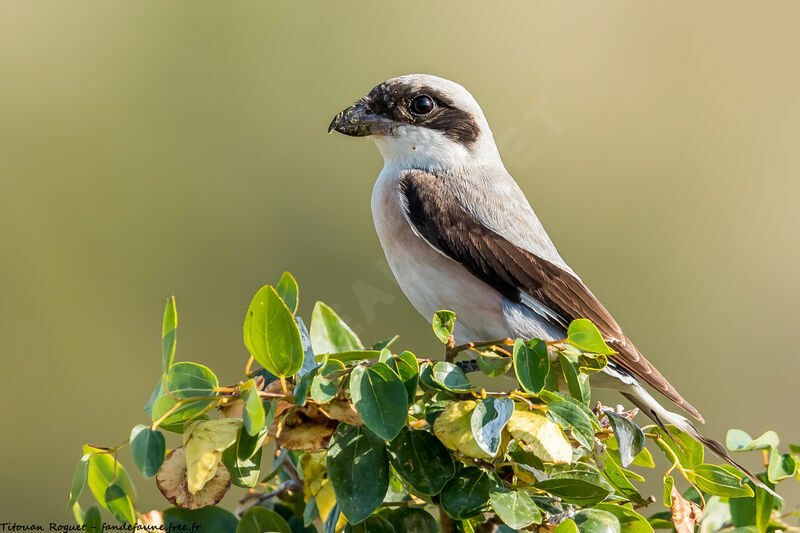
x: 414, y: 147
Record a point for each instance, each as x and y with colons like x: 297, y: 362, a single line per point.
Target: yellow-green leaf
x: 204, y: 443
x: 541, y: 436
x: 289, y: 292
x: 330, y: 334
x: 454, y: 428
x: 585, y: 336
x: 443, y: 323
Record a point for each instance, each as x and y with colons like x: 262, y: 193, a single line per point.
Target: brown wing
x: 513, y: 271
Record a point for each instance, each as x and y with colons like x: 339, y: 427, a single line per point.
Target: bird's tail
x: 648, y: 405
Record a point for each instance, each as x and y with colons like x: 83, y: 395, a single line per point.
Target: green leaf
x: 385, y: 344
x: 488, y: 420
x: 781, y: 466
x: 148, y: 448
x: 596, y: 521
x: 661, y: 520
x: 716, y: 480
x: 584, y: 335
x: 247, y: 445
x: 329, y: 333
x: 358, y: 470
x: 103, y: 471
x: 373, y: 524
x: 433, y: 410
x: 764, y: 505
x: 524, y: 458
x: 644, y: 458
x: 617, y: 477
x: 410, y: 519
x: 258, y: 519
x: 303, y: 386
x: 244, y: 472
x: 92, y: 521
x: 384, y: 356
x: 205, y: 519
x: 406, y: 367
x: 630, y: 438
x: 426, y: 378
x: 583, y: 471
x: 79, y: 480
x: 253, y: 413
x: 566, y: 526
x: 78, y: 513
x: 589, y: 364
x: 669, y: 482
x: 467, y: 494
x: 186, y: 380
x: 289, y: 292
x: 277, y: 465
x: 183, y: 380
x: 552, y: 397
x: 169, y: 328
x: 310, y: 512
x: 688, y: 451
x: 493, y: 365
x: 380, y: 399
x: 570, y: 416
x: 421, y: 460
x: 739, y: 441
x: 630, y: 474
x: 531, y: 364
x: 443, y: 323
x: 324, y: 389
x: 119, y: 504
x: 577, y: 383
x: 309, y: 359
x: 450, y: 377
x: 271, y: 335
x: 578, y: 483
x: 743, y: 510
x: 629, y: 520
x: 515, y: 508
x: 349, y: 357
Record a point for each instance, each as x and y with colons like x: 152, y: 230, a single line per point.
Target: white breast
x: 430, y: 280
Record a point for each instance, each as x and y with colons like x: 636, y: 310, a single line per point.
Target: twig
x: 650, y: 499
x: 453, y: 350
x: 292, y: 471
x: 287, y: 486
x: 446, y: 524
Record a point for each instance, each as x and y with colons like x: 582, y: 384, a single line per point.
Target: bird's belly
x: 430, y: 280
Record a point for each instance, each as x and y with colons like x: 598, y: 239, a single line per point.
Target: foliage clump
x: 368, y: 439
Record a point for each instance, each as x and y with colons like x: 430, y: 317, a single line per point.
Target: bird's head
x: 421, y: 121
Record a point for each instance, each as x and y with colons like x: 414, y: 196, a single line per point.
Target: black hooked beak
x: 357, y: 121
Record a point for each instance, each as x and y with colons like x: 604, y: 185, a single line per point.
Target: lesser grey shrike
x: 459, y: 234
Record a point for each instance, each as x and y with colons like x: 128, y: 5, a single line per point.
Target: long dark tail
x: 661, y: 416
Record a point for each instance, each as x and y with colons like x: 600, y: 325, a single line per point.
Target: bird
x: 459, y: 234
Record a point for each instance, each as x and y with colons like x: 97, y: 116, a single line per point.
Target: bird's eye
x: 421, y: 105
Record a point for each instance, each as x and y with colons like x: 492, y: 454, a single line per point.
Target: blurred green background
x: 157, y: 148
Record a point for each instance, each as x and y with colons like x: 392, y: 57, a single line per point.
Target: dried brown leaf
x: 685, y: 513
x: 171, y: 481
